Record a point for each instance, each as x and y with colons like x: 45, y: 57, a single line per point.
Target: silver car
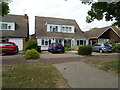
x: 102, y: 47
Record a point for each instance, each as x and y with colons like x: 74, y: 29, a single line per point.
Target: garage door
x: 18, y: 42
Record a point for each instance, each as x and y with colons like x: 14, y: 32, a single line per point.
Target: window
x: 7, y: 26
x: 81, y: 42
x: 56, y: 28
x: 50, y: 28
x: 70, y: 29
x: 67, y: 29
x: 46, y: 42
x: 53, y: 28
x: 84, y: 42
x: 42, y: 41
x: 49, y: 42
x: 4, y: 26
x: 77, y: 42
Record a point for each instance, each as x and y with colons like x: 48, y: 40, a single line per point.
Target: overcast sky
x: 70, y: 9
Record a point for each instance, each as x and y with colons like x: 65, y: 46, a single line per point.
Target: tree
x: 99, y: 10
x: 4, y: 7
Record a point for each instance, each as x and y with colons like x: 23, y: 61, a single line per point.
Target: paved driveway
x: 81, y: 75
x: 45, y: 55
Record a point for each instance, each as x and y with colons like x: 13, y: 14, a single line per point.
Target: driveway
x: 81, y: 75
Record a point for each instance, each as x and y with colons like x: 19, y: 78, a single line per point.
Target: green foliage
x: 5, y: 8
x: 99, y: 10
x: 31, y: 44
x: 116, y: 48
x: 67, y: 47
x: 84, y: 50
x: 112, y: 42
x: 32, y: 54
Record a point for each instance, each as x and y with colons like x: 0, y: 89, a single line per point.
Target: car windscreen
x: 56, y: 44
x: 107, y: 45
x: 59, y: 45
x: 6, y: 44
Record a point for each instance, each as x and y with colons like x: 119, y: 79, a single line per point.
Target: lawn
x: 32, y: 76
x: 107, y: 64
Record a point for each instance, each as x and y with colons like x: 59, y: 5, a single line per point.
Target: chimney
x: 26, y: 17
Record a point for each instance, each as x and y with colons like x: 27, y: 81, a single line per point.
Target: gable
x: 110, y: 34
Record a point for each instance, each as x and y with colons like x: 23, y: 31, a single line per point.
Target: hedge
x: 31, y: 44
x: 84, y: 50
x: 32, y: 54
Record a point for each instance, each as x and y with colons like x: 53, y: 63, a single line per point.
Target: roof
x: 21, y: 26
x: 94, y: 33
x: 116, y: 29
x: 41, y: 29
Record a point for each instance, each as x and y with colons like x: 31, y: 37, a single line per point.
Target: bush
x: 84, y: 50
x: 67, y: 47
x: 116, y: 48
x: 31, y: 44
x: 32, y: 54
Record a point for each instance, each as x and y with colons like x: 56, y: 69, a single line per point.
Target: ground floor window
x: 81, y: 42
x: 46, y: 42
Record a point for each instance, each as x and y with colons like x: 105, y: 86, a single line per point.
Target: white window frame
x: 84, y: 42
x: 44, y: 42
x: 67, y: 29
x: 12, y: 25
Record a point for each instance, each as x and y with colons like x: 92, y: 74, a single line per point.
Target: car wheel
x: 53, y: 52
x: 63, y: 51
x: 101, y: 51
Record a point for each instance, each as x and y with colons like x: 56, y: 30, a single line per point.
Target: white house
x: 65, y: 31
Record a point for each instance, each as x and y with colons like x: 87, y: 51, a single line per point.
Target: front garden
x: 32, y: 76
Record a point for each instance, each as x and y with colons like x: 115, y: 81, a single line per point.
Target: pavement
x: 81, y: 75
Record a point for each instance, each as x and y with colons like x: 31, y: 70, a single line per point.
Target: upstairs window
x: 53, y: 28
x: 67, y: 29
x: 7, y: 26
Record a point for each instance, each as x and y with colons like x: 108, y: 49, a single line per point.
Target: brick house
x: 102, y: 35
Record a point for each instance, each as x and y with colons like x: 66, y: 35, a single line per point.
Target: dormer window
x: 52, y: 28
x: 60, y: 28
x: 67, y: 29
x: 7, y: 26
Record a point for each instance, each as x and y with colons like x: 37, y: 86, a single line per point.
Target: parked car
x: 8, y: 48
x: 56, y: 47
x: 102, y: 47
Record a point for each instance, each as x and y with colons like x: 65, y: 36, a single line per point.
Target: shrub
x: 84, y: 50
x: 31, y: 44
x: 32, y: 54
x: 67, y: 47
x: 116, y: 48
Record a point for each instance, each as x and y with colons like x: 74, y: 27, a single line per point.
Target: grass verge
x: 32, y: 76
x: 110, y: 65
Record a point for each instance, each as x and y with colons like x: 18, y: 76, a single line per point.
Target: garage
x: 18, y: 42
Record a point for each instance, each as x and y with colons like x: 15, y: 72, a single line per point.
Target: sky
x: 70, y: 9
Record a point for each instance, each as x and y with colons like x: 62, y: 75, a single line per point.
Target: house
x: 14, y: 28
x: 65, y: 31
x: 102, y: 35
